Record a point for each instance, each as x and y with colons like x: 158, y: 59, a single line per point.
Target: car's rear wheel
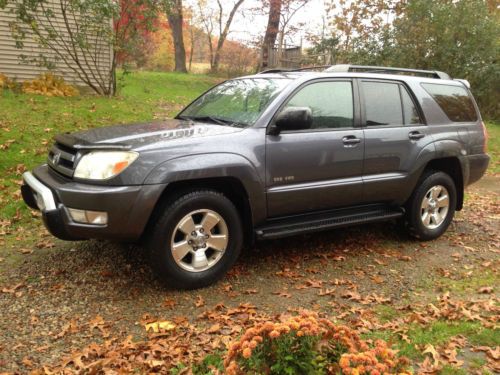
x: 431, y: 207
x: 196, y: 239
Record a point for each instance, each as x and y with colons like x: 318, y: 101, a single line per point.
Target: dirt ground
x: 56, y: 296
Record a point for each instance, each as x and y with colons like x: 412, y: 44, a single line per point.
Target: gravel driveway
x: 57, y: 296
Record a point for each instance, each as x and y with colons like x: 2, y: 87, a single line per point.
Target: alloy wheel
x: 435, y: 206
x: 199, y: 240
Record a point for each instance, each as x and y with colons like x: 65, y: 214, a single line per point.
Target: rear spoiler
x: 463, y: 82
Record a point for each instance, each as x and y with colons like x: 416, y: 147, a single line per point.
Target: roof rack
x: 387, y: 70
x: 284, y: 70
x: 274, y: 70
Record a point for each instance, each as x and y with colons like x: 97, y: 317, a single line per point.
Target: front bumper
x: 128, y: 207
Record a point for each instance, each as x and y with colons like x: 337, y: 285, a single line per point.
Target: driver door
x: 318, y: 168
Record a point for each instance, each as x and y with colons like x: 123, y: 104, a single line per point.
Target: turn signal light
x: 88, y: 217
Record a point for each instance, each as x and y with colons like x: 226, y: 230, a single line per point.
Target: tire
x: 210, y: 251
x: 429, y: 198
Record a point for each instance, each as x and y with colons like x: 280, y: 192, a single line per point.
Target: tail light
x: 485, y: 137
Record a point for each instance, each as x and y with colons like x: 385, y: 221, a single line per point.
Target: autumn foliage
x: 308, y: 344
x: 48, y: 84
x: 6, y: 82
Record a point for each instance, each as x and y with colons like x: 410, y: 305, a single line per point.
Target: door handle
x: 350, y: 140
x: 416, y: 135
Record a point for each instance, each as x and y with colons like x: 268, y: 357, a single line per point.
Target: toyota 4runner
x: 265, y: 156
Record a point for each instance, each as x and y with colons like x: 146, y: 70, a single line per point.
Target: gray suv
x: 274, y: 154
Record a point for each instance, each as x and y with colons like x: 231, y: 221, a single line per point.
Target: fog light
x: 88, y: 217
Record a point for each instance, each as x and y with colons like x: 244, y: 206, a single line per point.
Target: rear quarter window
x: 455, y: 101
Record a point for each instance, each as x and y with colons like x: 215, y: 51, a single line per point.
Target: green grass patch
x: 450, y: 370
x: 438, y: 333
x: 494, y: 146
x: 28, y: 122
x: 469, y: 284
x: 386, y: 313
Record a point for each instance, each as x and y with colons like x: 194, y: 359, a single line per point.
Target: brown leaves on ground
x: 352, y: 294
x: 169, y: 343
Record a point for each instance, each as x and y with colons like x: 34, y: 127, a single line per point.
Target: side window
x: 411, y: 115
x: 331, y: 104
x: 453, y: 100
x: 382, y: 103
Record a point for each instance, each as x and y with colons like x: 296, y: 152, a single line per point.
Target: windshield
x: 238, y: 102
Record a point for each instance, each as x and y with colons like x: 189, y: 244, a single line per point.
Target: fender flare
x: 214, y: 165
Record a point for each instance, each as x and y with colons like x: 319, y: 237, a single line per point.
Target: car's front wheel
x: 196, y: 239
x: 431, y: 207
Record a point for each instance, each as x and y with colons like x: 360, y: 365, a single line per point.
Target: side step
x: 307, y: 223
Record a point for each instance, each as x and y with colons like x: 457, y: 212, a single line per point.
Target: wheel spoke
x: 217, y: 242
x: 436, y: 190
x: 199, y: 260
x: 209, y: 221
x: 426, y: 218
x: 187, y: 225
x: 180, y: 250
x: 425, y: 203
x: 443, y: 201
x: 436, y: 217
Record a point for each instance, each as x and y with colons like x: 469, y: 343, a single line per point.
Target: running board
x: 300, y: 224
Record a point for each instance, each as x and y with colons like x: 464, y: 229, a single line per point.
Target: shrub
x: 306, y: 344
x: 6, y: 82
x: 49, y: 85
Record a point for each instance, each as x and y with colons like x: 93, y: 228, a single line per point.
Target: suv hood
x: 135, y: 136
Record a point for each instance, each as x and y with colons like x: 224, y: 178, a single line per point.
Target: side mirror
x: 292, y: 118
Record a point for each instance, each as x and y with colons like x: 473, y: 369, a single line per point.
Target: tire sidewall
x: 161, y: 256
x: 418, y: 229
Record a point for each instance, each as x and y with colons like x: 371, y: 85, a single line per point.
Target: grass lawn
x: 494, y: 145
x: 28, y: 122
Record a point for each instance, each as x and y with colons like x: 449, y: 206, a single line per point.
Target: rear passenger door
x: 395, y: 134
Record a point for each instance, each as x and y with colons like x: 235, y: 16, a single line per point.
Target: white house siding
x: 14, y: 67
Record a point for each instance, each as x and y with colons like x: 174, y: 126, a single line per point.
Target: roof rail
x: 314, y: 67
x: 285, y: 70
x: 387, y: 70
x: 274, y: 70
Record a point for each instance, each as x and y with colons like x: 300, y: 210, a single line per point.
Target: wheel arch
x: 231, y: 187
x: 452, y: 167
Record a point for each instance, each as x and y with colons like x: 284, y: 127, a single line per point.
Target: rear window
x: 455, y: 101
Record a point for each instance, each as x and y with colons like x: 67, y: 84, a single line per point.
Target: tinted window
x: 382, y: 104
x: 331, y: 104
x: 454, y: 101
x: 410, y: 110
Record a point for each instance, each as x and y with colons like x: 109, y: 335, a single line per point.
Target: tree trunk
x: 191, y: 32
x: 273, y: 24
x: 174, y: 15
x: 223, y: 34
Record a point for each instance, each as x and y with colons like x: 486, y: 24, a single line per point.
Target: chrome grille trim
x: 62, y: 159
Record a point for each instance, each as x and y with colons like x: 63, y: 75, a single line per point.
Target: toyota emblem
x: 56, y: 158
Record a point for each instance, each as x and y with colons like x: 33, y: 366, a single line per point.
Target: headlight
x: 101, y: 165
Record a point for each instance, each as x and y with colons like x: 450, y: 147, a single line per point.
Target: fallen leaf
x: 215, y: 328
x: 164, y: 325
x: 486, y: 290
x: 433, y: 352
x: 283, y: 294
x: 169, y: 303
x: 199, y: 301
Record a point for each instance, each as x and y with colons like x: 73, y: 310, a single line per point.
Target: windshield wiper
x: 213, y: 119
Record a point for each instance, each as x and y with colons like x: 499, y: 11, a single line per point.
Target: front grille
x: 62, y: 159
